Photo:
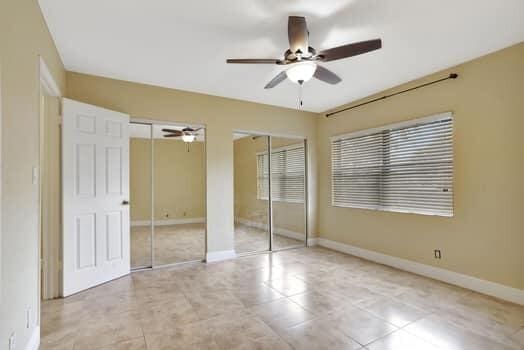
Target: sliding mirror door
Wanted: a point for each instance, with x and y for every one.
(179, 194)
(251, 182)
(288, 194)
(140, 196)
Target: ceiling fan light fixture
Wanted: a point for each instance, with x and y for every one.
(301, 72)
(188, 138)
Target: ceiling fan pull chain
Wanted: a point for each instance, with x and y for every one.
(300, 93)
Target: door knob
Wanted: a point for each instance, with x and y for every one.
(124, 202)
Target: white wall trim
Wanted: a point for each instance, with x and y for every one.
(220, 255)
(290, 234)
(251, 223)
(482, 286)
(34, 341)
(277, 230)
(168, 222)
(47, 80)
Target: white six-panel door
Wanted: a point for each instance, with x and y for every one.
(95, 181)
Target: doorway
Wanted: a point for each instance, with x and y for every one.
(270, 183)
(49, 175)
(167, 194)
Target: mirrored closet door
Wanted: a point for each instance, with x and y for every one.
(270, 192)
(288, 192)
(179, 194)
(167, 177)
(251, 184)
(140, 194)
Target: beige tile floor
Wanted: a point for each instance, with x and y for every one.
(250, 239)
(180, 243)
(307, 298)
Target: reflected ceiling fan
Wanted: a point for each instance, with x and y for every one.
(303, 59)
(187, 134)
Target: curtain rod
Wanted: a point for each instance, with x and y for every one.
(451, 76)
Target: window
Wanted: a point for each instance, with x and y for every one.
(406, 167)
(287, 168)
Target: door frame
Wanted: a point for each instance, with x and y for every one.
(152, 123)
(270, 135)
(47, 85)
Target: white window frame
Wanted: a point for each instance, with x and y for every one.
(399, 125)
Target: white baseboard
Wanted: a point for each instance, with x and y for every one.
(220, 255)
(169, 222)
(476, 284)
(278, 230)
(252, 223)
(290, 234)
(34, 341)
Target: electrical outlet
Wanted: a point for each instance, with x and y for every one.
(184, 214)
(12, 341)
(166, 215)
(438, 254)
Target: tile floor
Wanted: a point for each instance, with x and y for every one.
(307, 298)
(186, 242)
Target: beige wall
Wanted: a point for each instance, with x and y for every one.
(23, 37)
(485, 238)
(221, 117)
(179, 179)
(288, 216)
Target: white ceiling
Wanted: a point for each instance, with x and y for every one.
(184, 44)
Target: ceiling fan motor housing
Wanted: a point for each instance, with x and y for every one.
(300, 52)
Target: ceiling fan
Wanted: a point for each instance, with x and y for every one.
(188, 134)
(303, 58)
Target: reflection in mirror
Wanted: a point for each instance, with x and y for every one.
(288, 192)
(140, 194)
(251, 205)
(179, 194)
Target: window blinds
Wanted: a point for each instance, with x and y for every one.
(406, 167)
(262, 176)
(287, 174)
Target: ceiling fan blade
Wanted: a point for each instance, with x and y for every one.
(173, 131)
(253, 60)
(298, 34)
(350, 50)
(170, 130)
(173, 135)
(326, 75)
(276, 80)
